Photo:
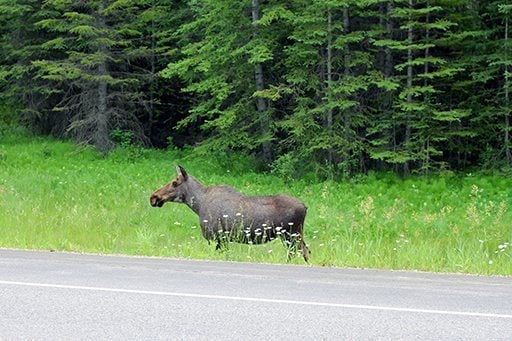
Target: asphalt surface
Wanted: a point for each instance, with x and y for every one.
(49, 296)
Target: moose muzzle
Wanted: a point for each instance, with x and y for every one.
(156, 201)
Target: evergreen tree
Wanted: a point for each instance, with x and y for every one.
(20, 43)
(93, 46)
(485, 55)
(498, 74)
(223, 60)
(420, 125)
(148, 28)
(325, 72)
(336, 87)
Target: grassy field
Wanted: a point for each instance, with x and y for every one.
(56, 196)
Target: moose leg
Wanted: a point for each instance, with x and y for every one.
(222, 241)
(290, 242)
(294, 242)
(305, 249)
(302, 244)
(296, 245)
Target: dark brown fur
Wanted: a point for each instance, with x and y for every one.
(225, 214)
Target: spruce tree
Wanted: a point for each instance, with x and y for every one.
(324, 77)
(224, 59)
(499, 62)
(420, 125)
(20, 44)
(89, 67)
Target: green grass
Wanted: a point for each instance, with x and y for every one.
(56, 196)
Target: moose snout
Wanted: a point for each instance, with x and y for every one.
(156, 201)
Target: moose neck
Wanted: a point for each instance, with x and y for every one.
(195, 194)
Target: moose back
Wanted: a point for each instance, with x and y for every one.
(227, 215)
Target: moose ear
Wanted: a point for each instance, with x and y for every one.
(181, 171)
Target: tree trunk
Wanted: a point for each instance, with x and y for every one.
(388, 56)
(508, 152)
(152, 84)
(261, 103)
(102, 134)
(329, 114)
(426, 145)
(388, 72)
(427, 50)
(407, 137)
(347, 119)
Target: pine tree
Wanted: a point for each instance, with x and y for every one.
(148, 28)
(486, 57)
(506, 62)
(89, 67)
(500, 64)
(19, 46)
(223, 59)
(420, 125)
(325, 72)
(335, 87)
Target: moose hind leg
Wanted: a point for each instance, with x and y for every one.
(294, 243)
(305, 249)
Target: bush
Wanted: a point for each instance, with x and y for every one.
(11, 128)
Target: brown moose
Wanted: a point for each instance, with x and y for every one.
(227, 215)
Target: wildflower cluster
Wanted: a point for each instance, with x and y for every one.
(400, 242)
(502, 248)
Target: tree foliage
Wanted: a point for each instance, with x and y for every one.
(333, 87)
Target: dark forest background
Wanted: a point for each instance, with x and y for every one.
(330, 86)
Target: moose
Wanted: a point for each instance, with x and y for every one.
(227, 215)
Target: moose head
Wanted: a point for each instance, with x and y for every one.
(174, 191)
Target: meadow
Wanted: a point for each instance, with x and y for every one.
(58, 196)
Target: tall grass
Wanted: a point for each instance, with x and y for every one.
(56, 196)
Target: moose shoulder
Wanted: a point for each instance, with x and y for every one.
(227, 215)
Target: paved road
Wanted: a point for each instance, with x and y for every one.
(52, 296)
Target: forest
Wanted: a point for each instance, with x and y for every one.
(333, 87)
